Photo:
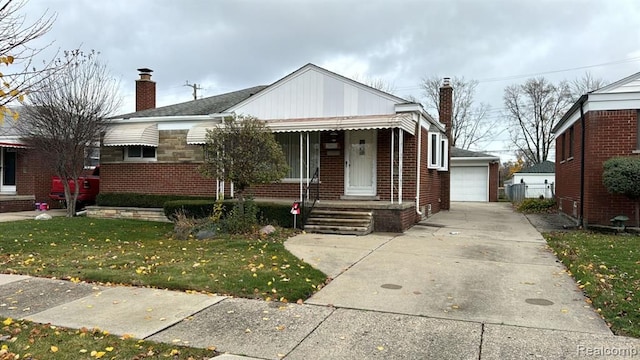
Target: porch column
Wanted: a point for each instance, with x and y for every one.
(307, 194)
(400, 156)
(392, 150)
(301, 154)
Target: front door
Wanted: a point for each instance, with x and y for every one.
(7, 170)
(360, 163)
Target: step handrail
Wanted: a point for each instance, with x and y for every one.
(314, 185)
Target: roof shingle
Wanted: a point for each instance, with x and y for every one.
(209, 105)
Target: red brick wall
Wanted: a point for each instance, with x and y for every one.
(568, 173)
(493, 181)
(608, 134)
(155, 178)
(33, 174)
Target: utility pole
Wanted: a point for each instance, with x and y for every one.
(195, 89)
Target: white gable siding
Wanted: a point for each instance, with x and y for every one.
(314, 94)
(630, 86)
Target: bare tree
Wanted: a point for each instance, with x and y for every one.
(533, 109)
(376, 83)
(584, 84)
(470, 124)
(68, 114)
(19, 74)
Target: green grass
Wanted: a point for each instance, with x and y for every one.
(38, 342)
(607, 268)
(142, 253)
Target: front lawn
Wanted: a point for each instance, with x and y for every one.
(607, 268)
(142, 253)
(27, 340)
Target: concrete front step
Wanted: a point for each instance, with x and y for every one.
(334, 229)
(335, 221)
(325, 220)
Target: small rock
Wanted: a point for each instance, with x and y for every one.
(205, 234)
(43, 217)
(269, 229)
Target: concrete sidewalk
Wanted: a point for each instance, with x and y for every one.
(30, 215)
(478, 283)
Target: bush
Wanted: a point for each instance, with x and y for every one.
(532, 206)
(276, 214)
(141, 200)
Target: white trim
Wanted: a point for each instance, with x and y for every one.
(392, 159)
(433, 137)
(602, 102)
(179, 118)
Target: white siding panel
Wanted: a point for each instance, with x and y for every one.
(313, 94)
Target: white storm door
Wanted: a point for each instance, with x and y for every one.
(360, 163)
(7, 170)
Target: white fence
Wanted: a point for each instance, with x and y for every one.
(518, 192)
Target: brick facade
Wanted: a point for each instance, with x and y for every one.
(176, 172)
(607, 134)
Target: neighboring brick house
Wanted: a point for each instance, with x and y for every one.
(602, 124)
(372, 149)
(25, 177)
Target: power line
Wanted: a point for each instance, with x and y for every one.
(512, 77)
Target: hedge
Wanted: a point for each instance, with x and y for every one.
(194, 206)
(141, 200)
(271, 213)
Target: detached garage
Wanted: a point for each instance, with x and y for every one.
(474, 176)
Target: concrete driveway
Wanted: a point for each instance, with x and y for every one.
(479, 262)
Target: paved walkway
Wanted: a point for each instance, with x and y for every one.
(473, 283)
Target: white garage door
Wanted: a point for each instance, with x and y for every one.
(469, 183)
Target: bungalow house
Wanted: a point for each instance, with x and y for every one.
(25, 177)
(372, 151)
(602, 124)
(539, 180)
(474, 176)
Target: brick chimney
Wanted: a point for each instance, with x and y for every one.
(446, 117)
(145, 90)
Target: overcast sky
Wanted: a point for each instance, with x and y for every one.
(226, 45)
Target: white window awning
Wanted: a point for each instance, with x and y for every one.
(132, 134)
(17, 144)
(401, 121)
(197, 135)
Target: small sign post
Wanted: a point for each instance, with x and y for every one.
(295, 210)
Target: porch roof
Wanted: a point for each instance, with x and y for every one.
(145, 134)
(197, 134)
(402, 121)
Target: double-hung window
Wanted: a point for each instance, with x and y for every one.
(438, 151)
